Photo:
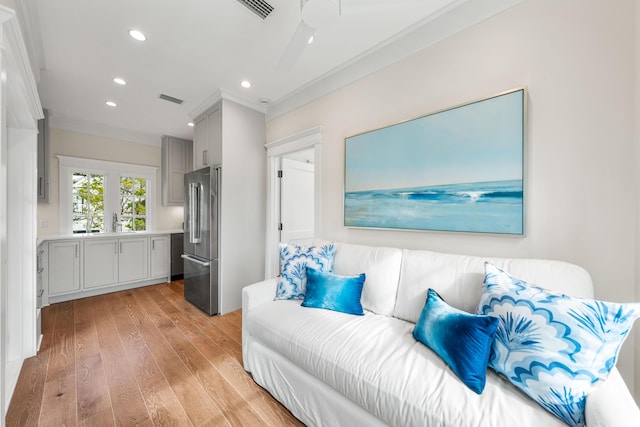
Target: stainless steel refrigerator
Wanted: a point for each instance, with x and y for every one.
(201, 234)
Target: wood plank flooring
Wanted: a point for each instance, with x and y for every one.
(143, 357)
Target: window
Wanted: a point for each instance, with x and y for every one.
(133, 203)
(93, 192)
(88, 203)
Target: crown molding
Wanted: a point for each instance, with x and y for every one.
(451, 20)
(28, 17)
(221, 94)
(22, 91)
(97, 129)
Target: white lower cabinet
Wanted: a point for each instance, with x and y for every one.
(160, 262)
(64, 267)
(93, 265)
(100, 262)
(133, 259)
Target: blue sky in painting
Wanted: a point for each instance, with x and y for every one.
(479, 142)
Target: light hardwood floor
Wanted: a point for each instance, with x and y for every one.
(140, 357)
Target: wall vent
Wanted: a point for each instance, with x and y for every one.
(259, 7)
(171, 99)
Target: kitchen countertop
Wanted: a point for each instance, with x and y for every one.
(80, 236)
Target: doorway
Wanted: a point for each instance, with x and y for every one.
(297, 197)
(293, 193)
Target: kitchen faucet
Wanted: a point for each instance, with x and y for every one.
(115, 224)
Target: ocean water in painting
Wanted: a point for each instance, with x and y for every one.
(488, 207)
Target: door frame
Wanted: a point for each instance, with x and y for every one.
(310, 138)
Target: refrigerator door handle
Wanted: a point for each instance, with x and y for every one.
(197, 261)
(195, 194)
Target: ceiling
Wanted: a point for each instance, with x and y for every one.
(194, 50)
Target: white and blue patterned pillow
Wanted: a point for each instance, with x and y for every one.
(552, 346)
(294, 260)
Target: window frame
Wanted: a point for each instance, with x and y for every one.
(112, 172)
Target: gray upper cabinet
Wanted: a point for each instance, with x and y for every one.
(177, 159)
(207, 138)
(43, 158)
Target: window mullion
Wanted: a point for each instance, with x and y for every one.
(112, 199)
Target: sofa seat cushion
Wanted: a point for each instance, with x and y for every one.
(375, 362)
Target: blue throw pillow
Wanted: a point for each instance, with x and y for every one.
(294, 260)
(461, 339)
(333, 292)
(552, 346)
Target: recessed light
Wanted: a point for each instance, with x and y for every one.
(245, 84)
(137, 35)
(190, 124)
(311, 39)
(111, 103)
(119, 81)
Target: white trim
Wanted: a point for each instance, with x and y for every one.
(221, 94)
(297, 142)
(23, 101)
(106, 131)
(27, 11)
(20, 108)
(112, 172)
(310, 138)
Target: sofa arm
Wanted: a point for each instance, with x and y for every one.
(253, 296)
(611, 405)
(258, 293)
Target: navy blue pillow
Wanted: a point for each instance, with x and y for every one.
(333, 292)
(461, 339)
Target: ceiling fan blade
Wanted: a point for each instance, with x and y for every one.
(296, 46)
(351, 7)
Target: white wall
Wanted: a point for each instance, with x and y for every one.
(637, 194)
(577, 58)
(96, 147)
(20, 109)
(21, 284)
(243, 202)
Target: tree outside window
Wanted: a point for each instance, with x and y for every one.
(88, 202)
(133, 203)
(93, 191)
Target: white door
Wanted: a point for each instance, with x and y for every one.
(297, 201)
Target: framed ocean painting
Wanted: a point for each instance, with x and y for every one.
(460, 169)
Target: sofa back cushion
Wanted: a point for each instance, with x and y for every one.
(458, 279)
(382, 269)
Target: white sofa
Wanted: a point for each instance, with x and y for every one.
(334, 369)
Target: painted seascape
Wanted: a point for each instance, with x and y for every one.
(456, 170)
(491, 207)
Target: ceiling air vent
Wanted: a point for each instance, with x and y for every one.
(171, 99)
(259, 7)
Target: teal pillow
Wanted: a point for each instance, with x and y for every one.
(333, 292)
(461, 339)
(552, 346)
